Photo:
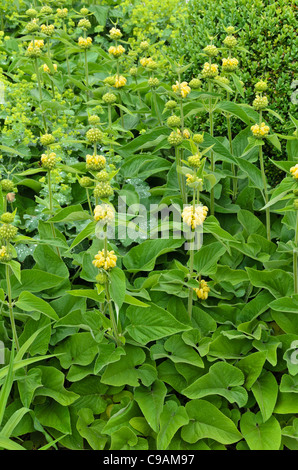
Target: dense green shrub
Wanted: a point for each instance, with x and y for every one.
(267, 29)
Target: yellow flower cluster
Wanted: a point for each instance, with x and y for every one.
(47, 69)
(181, 88)
(115, 33)
(186, 134)
(85, 43)
(230, 64)
(210, 70)
(120, 81)
(95, 162)
(190, 179)
(48, 160)
(104, 213)
(203, 290)
(260, 131)
(116, 51)
(4, 254)
(35, 47)
(107, 261)
(294, 171)
(194, 217)
(147, 62)
(47, 29)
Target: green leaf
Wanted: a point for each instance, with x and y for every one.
(124, 372)
(252, 366)
(30, 303)
(118, 286)
(151, 400)
(52, 386)
(71, 214)
(206, 421)
(53, 415)
(143, 257)
(265, 390)
(152, 323)
(171, 419)
(222, 379)
(80, 348)
(206, 258)
(260, 435)
(277, 281)
(8, 444)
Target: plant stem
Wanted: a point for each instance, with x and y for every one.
(233, 168)
(40, 92)
(295, 257)
(11, 316)
(89, 202)
(51, 208)
(212, 165)
(156, 107)
(264, 179)
(191, 262)
(179, 176)
(86, 74)
(111, 313)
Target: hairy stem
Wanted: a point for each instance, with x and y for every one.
(11, 316)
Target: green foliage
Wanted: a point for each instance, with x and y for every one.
(130, 339)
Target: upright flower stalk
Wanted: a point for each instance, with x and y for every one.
(7, 234)
(48, 162)
(105, 261)
(210, 71)
(260, 131)
(194, 215)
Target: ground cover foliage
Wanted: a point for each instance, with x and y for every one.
(116, 334)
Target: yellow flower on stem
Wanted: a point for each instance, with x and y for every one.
(181, 88)
(106, 261)
(203, 290)
(294, 171)
(194, 217)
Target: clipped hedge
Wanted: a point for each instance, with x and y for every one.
(267, 29)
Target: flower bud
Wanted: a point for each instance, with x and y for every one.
(103, 175)
(175, 138)
(260, 102)
(261, 86)
(230, 42)
(211, 50)
(195, 83)
(84, 24)
(198, 138)
(7, 217)
(86, 182)
(109, 98)
(31, 12)
(93, 120)
(194, 160)
(47, 139)
(8, 232)
(101, 278)
(153, 82)
(171, 104)
(94, 135)
(103, 190)
(174, 121)
(7, 186)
